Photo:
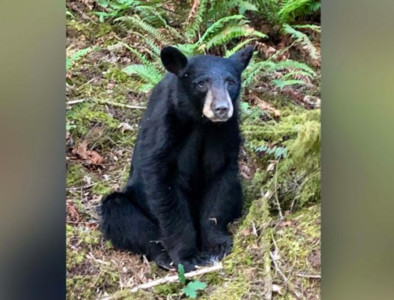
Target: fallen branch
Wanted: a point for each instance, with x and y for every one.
(174, 278)
(105, 102)
(276, 191)
(76, 101)
(309, 275)
(119, 104)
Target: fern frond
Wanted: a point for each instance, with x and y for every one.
(302, 39)
(294, 8)
(244, 6)
(269, 10)
(146, 72)
(296, 73)
(238, 47)
(151, 15)
(218, 25)
(309, 26)
(292, 64)
(136, 22)
(283, 83)
(256, 69)
(189, 49)
(231, 32)
(218, 9)
(140, 56)
(77, 56)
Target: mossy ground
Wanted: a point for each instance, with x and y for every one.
(271, 258)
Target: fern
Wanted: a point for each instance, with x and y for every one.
(280, 83)
(291, 9)
(148, 73)
(136, 22)
(315, 28)
(192, 28)
(295, 65)
(257, 70)
(215, 27)
(238, 47)
(77, 56)
(189, 49)
(152, 15)
(286, 11)
(231, 32)
(302, 39)
(218, 9)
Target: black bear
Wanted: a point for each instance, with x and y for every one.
(183, 188)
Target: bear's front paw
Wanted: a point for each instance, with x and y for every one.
(218, 246)
(192, 263)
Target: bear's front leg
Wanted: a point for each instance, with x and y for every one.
(169, 206)
(222, 204)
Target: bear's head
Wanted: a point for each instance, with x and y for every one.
(212, 84)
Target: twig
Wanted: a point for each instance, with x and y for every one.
(104, 102)
(120, 104)
(277, 268)
(309, 275)
(76, 101)
(174, 278)
(276, 191)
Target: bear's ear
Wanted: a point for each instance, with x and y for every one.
(242, 58)
(173, 60)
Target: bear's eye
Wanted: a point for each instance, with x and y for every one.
(201, 83)
(230, 82)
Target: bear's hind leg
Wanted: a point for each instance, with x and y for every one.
(129, 228)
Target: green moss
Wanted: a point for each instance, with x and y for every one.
(117, 74)
(75, 174)
(168, 289)
(101, 188)
(87, 286)
(299, 248)
(296, 178)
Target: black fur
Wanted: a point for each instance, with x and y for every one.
(183, 188)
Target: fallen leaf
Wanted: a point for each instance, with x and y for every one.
(72, 212)
(92, 157)
(315, 259)
(246, 231)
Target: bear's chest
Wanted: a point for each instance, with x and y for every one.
(201, 156)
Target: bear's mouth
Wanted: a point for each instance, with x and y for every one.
(218, 120)
(218, 108)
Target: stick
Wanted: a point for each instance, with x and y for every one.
(309, 275)
(106, 102)
(276, 191)
(76, 101)
(175, 278)
(120, 104)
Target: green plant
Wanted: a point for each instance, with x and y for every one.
(286, 11)
(279, 74)
(150, 11)
(302, 39)
(77, 56)
(191, 289)
(220, 33)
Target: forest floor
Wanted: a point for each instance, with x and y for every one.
(273, 257)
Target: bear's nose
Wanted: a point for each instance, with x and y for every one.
(221, 110)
